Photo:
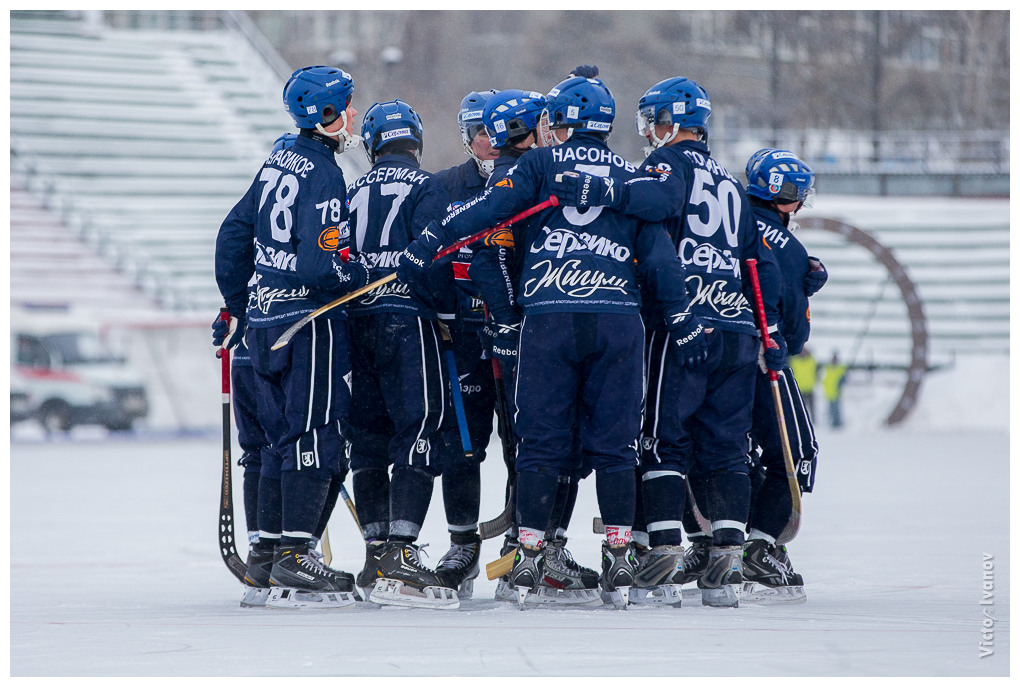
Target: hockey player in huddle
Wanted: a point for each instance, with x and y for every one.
(701, 361)
(778, 185)
(701, 375)
(398, 382)
(286, 238)
(579, 341)
(461, 480)
(512, 118)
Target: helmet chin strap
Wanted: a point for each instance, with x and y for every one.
(349, 140)
(659, 142)
(485, 167)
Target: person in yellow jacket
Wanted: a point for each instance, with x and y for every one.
(805, 371)
(833, 378)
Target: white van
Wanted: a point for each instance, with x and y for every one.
(69, 375)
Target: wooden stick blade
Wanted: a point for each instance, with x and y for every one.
(501, 566)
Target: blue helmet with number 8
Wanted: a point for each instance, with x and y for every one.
(385, 123)
(781, 177)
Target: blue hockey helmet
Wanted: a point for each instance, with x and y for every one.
(781, 177)
(385, 123)
(470, 116)
(318, 95)
(285, 141)
(677, 101)
(469, 119)
(511, 115)
(582, 104)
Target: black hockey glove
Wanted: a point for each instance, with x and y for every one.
(774, 357)
(588, 71)
(229, 332)
(816, 277)
(689, 334)
(806, 474)
(583, 190)
(417, 257)
(506, 340)
(352, 274)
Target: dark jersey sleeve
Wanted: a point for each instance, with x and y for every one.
(316, 230)
(491, 272)
(661, 271)
(235, 252)
(770, 277)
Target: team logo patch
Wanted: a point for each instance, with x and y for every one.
(503, 237)
(506, 181)
(422, 446)
(647, 443)
(329, 239)
(307, 458)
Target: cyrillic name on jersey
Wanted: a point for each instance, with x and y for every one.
(591, 155)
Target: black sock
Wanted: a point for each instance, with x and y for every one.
(303, 499)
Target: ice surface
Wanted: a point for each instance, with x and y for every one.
(115, 570)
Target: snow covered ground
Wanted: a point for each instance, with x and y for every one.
(115, 570)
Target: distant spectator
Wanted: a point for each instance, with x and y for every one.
(805, 371)
(833, 378)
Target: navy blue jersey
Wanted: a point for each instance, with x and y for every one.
(287, 236)
(389, 206)
(795, 316)
(713, 233)
(571, 260)
(462, 183)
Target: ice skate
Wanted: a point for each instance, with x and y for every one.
(299, 580)
(526, 574)
(404, 581)
(721, 582)
(256, 579)
(618, 567)
(658, 577)
(369, 575)
(696, 559)
(564, 581)
(768, 575)
(459, 566)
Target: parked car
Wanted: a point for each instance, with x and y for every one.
(70, 375)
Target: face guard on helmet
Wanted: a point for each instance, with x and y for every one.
(511, 115)
(471, 124)
(317, 96)
(781, 177)
(385, 123)
(676, 101)
(579, 104)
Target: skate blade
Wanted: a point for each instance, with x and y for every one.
(389, 592)
(466, 589)
(760, 595)
(619, 598)
(659, 595)
(254, 597)
(724, 596)
(549, 597)
(288, 598)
